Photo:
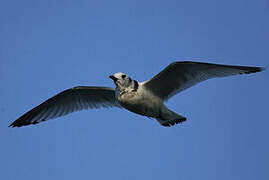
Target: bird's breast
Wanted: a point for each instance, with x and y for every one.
(141, 103)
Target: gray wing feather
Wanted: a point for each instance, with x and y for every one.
(179, 76)
(68, 101)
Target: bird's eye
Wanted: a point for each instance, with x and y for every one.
(123, 76)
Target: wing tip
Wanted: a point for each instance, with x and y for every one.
(14, 124)
(261, 69)
(17, 124)
(11, 125)
(254, 70)
(20, 123)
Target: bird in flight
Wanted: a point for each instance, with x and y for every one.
(144, 98)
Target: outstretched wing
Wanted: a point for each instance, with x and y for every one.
(179, 76)
(68, 101)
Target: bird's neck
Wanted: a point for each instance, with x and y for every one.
(131, 88)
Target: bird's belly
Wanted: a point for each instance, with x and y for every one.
(142, 105)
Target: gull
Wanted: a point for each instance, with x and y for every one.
(143, 98)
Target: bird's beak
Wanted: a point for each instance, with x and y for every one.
(113, 78)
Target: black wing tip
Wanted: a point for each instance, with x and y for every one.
(253, 70)
(11, 125)
(259, 69)
(15, 124)
(20, 123)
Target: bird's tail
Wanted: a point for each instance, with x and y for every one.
(169, 118)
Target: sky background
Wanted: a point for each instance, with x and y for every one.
(49, 46)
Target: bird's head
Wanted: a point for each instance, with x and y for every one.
(121, 80)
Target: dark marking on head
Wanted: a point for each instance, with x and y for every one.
(135, 85)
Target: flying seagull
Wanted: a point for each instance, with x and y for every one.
(144, 98)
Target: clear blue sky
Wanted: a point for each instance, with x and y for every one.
(49, 46)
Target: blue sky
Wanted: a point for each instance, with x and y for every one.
(49, 46)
